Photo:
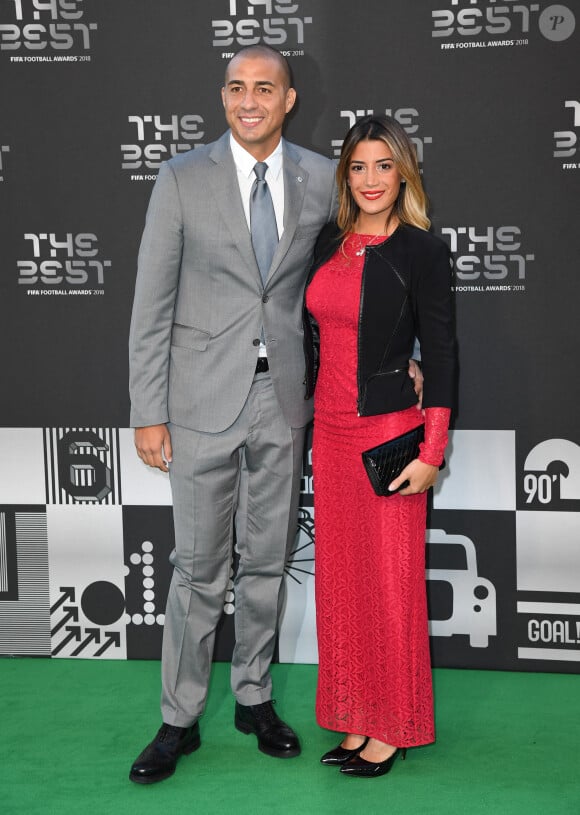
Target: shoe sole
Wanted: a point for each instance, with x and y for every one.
(269, 751)
(148, 779)
(364, 772)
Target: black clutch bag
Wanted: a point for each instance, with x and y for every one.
(385, 462)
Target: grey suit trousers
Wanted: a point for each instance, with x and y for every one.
(205, 476)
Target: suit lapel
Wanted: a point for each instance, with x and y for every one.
(226, 191)
(295, 182)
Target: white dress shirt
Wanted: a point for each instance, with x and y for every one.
(245, 164)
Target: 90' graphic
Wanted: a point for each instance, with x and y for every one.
(552, 475)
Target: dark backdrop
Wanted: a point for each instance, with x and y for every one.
(94, 95)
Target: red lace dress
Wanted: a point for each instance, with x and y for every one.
(371, 611)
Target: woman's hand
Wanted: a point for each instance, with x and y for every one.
(421, 476)
(416, 375)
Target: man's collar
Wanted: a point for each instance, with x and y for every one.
(245, 162)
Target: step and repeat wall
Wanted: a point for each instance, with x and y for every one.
(94, 96)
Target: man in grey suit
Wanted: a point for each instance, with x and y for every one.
(217, 372)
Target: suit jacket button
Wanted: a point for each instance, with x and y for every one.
(255, 342)
(265, 298)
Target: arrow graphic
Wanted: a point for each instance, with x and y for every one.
(68, 594)
(73, 614)
(93, 634)
(111, 637)
(74, 634)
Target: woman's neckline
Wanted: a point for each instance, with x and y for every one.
(374, 235)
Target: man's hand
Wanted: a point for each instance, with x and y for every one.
(153, 445)
(417, 376)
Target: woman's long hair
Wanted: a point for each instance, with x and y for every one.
(411, 204)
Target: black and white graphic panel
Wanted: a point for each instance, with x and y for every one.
(8, 558)
(82, 466)
(480, 471)
(149, 540)
(21, 466)
(471, 568)
(471, 609)
(87, 581)
(24, 597)
(548, 589)
(297, 633)
(551, 476)
(142, 485)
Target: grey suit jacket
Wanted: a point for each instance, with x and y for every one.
(199, 299)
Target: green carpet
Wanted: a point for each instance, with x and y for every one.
(69, 730)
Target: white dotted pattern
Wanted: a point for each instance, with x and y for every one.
(146, 560)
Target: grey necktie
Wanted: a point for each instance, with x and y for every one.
(262, 221)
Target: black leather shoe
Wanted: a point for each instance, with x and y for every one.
(340, 754)
(361, 768)
(274, 737)
(159, 759)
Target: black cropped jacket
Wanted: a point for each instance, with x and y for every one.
(406, 293)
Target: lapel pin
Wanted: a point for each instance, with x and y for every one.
(299, 179)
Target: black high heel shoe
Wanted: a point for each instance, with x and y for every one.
(361, 768)
(339, 755)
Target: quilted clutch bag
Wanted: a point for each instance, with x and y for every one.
(385, 462)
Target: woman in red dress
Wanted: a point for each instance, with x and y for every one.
(379, 280)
